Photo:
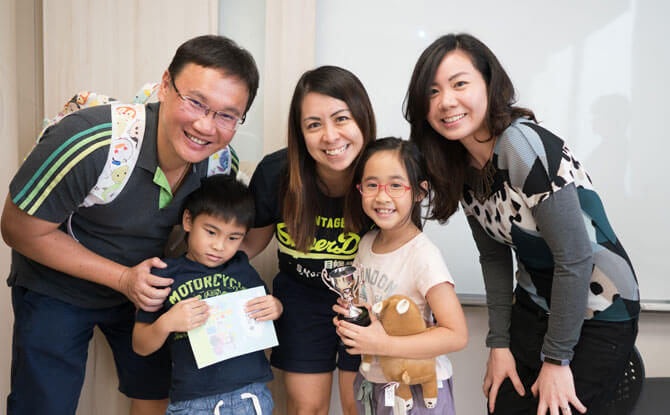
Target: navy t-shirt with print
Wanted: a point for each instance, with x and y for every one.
(332, 247)
(192, 279)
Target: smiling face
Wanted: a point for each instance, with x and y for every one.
(458, 99)
(332, 137)
(184, 138)
(211, 240)
(391, 214)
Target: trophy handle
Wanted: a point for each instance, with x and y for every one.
(357, 283)
(328, 281)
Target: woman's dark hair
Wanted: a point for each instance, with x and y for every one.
(355, 219)
(300, 181)
(224, 197)
(447, 160)
(218, 52)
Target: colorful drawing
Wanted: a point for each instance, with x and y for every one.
(229, 332)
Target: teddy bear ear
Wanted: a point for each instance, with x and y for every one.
(377, 307)
(402, 306)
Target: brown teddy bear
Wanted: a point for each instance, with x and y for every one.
(400, 316)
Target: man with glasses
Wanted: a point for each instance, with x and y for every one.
(76, 267)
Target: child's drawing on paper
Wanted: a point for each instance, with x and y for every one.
(229, 331)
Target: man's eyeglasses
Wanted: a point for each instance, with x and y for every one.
(392, 189)
(197, 109)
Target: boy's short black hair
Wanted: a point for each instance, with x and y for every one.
(224, 197)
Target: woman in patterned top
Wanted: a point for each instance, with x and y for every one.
(560, 340)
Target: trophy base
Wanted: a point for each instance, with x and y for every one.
(362, 319)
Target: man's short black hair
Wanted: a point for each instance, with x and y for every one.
(218, 52)
(224, 197)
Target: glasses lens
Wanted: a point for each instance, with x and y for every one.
(395, 189)
(368, 189)
(226, 121)
(195, 107)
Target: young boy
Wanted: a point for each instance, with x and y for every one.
(216, 217)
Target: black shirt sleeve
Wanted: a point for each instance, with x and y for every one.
(64, 166)
(150, 317)
(264, 185)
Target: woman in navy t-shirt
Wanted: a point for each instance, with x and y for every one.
(299, 195)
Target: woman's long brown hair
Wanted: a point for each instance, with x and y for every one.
(300, 186)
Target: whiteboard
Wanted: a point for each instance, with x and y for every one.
(595, 73)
